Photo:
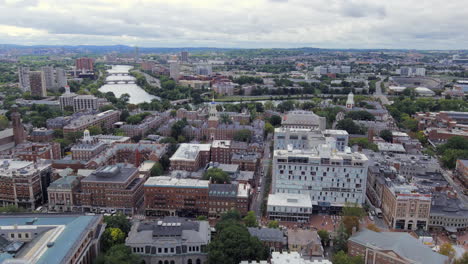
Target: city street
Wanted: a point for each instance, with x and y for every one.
(378, 92)
(265, 161)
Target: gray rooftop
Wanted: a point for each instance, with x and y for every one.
(268, 234)
(401, 243)
(113, 173)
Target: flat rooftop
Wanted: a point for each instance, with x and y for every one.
(189, 152)
(167, 181)
(65, 231)
(290, 200)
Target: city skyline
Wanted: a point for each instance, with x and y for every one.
(338, 24)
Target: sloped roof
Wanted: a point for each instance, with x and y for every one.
(401, 243)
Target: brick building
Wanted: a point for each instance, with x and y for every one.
(23, 183)
(167, 196)
(115, 187)
(171, 196)
(64, 194)
(224, 197)
(392, 248)
(104, 120)
(190, 157)
(405, 206)
(41, 135)
(33, 151)
(461, 171)
(84, 64)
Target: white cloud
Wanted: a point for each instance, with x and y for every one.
(429, 24)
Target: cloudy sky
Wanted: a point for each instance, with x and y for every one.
(427, 24)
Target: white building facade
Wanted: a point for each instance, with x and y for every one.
(330, 177)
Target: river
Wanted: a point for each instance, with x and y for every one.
(137, 94)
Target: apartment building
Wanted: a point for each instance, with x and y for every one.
(24, 183)
(105, 120)
(331, 178)
(85, 103)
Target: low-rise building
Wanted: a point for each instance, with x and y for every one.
(392, 248)
(288, 207)
(273, 238)
(293, 257)
(306, 242)
(50, 238)
(448, 213)
(171, 240)
(64, 194)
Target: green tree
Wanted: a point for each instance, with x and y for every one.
(324, 236)
(447, 250)
(11, 209)
(250, 220)
(268, 129)
(273, 224)
(463, 259)
(112, 236)
(352, 213)
(243, 135)
(4, 123)
(95, 130)
(217, 175)
(225, 119)
(455, 148)
(119, 254)
(349, 125)
(360, 115)
(233, 243)
(177, 128)
(386, 135)
(119, 221)
(285, 106)
(342, 258)
(269, 105)
(363, 143)
(275, 120)
(202, 218)
(340, 241)
(157, 169)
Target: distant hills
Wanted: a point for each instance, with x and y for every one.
(131, 49)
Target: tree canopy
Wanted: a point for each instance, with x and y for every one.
(217, 175)
(233, 242)
(243, 135)
(349, 125)
(119, 254)
(250, 220)
(360, 115)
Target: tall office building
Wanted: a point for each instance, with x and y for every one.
(36, 84)
(184, 56)
(23, 76)
(60, 77)
(204, 69)
(174, 70)
(84, 64)
(48, 79)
